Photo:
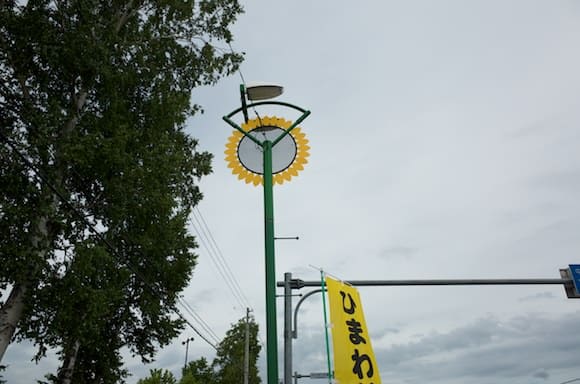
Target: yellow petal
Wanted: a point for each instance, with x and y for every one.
(257, 180)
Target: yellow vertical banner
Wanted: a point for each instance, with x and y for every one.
(354, 360)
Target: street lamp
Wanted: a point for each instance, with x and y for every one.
(186, 343)
(265, 151)
(263, 91)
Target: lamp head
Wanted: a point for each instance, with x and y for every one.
(263, 91)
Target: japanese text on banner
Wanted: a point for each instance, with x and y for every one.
(354, 360)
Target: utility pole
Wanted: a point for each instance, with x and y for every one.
(247, 348)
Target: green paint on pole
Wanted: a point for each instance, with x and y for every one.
(326, 325)
(271, 334)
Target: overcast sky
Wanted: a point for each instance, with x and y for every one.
(445, 142)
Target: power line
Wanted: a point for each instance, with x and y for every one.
(194, 329)
(223, 260)
(219, 262)
(189, 309)
(204, 244)
(239, 67)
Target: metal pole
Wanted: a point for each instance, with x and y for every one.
(297, 283)
(287, 328)
(186, 350)
(290, 284)
(186, 343)
(271, 341)
(295, 327)
(323, 288)
(247, 348)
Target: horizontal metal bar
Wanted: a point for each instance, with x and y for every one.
(294, 125)
(239, 129)
(279, 103)
(297, 283)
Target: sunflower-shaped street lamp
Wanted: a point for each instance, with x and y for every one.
(267, 150)
(244, 156)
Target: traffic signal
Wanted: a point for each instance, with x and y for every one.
(573, 287)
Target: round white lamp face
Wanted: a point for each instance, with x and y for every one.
(246, 158)
(251, 155)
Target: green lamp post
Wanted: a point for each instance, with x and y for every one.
(267, 150)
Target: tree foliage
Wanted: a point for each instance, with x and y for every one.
(198, 371)
(228, 364)
(94, 97)
(229, 361)
(158, 376)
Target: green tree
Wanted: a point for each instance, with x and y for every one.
(198, 371)
(228, 365)
(94, 98)
(189, 379)
(229, 361)
(158, 376)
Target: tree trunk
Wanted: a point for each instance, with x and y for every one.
(10, 314)
(12, 310)
(65, 373)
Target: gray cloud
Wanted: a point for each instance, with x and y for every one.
(488, 350)
(310, 351)
(398, 252)
(541, 374)
(20, 365)
(539, 296)
(561, 180)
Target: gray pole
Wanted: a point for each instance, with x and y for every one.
(247, 348)
(186, 343)
(287, 328)
(297, 283)
(186, 349)
(289, 284)
(295, 323)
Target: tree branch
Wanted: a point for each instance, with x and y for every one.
(127, 13)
